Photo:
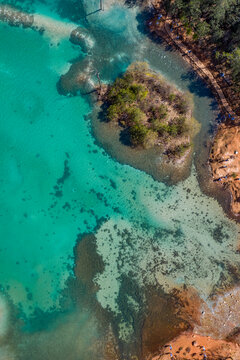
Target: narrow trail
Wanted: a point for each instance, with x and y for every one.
(200, 68)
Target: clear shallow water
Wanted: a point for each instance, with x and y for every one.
(57, 183)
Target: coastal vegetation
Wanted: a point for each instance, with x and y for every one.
(149, 111)
(215, 23)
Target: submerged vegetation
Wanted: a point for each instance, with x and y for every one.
(149, 110)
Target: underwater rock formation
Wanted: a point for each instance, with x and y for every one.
(77, 80)
(81, 37)
(15, 17)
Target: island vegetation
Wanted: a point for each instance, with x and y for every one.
(149, 111)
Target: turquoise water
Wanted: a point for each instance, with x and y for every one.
(57, 183)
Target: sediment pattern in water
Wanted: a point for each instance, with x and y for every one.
(58, 184)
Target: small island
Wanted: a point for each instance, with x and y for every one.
(151, 116)
(150, 111)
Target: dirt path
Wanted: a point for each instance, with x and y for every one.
(163, 28)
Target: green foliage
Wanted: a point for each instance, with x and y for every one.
(125, 96)
(172, 97)
(159, 112)
(134, 115)
(181, 104)
(113, 112)
(176, 128)
(218, 19)
(202, 29)
(125, 92)
(138, 134)
(181, 125)
(233, 59)
(160, 127)
(235, 64)
(139, 91)
(150, 139)
(173, 130)
(188, 30)
(130, 105)
(179, 150)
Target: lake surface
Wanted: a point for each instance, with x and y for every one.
(57, 184)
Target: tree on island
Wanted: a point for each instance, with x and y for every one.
(152, 112)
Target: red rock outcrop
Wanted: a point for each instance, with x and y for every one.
(196, 347)
(225, 162)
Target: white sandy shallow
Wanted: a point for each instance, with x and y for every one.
(55, 29)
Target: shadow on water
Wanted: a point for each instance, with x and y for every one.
(125, 137)
(124, 134)
(71, 9)
(75, 10)
(196, 84)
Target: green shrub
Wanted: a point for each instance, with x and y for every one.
(188, 30)
(161, 128)
(181, 104)
(125, 96)
(150, 139)
(113, 112)
(173, 130)
(172, 97)
(181, 125)
(202, 29)
(139, 91)
(134, 115)
(159, 112)
(138, 134)
(179, 150)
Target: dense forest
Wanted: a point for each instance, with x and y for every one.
(216, 22)
(210, 22)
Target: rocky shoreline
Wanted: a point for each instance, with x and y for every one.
(223, 175)
(15, 17)
(225, 162)
(193, 346)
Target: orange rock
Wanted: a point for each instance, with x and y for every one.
(225, 162)
(192, 346)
